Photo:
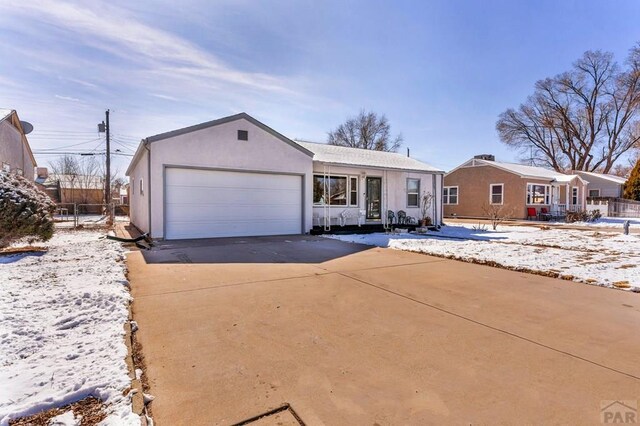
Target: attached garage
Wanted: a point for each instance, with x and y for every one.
(205, 203)
(231, 177)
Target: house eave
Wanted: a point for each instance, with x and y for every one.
(364, 166)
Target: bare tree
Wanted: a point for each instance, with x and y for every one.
(425, 206)
(583, 119)
(367, 130)
(83, 176)
(497, 213)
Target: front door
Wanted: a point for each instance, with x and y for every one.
(374, 198)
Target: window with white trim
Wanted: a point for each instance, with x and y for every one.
(341, 190)
(413, 192)
(496, 193)
(450, 195)
(538, 194)
(575, 192)
(594, 192)
(353, 191)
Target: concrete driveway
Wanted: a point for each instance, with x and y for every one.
(375, 336)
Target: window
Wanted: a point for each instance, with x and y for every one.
(496, 193)
(538, 194)
(141, 187)
(413, 192)
(243, 135)
(341, 190)
(574, 195)
(594, 192)
(6, 167)
(450, 195)
(353, 191)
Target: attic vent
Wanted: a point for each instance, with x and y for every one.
(243, 135)
(487, 157)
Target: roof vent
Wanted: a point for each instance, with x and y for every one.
(487, 157)
(243, 135)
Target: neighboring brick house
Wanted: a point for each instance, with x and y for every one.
(15, 153)
(482, 183)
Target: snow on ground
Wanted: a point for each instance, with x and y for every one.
(606, 222)
(61, 327)
(594, 257)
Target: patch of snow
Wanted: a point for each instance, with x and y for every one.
(61, 328)
(65, 419)
(607, 222)
(594, 257)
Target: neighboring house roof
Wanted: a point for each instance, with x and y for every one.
(6, 113)
(346, 156)
(612, 178)
(75, 181)
(521, 170)
(201, 126)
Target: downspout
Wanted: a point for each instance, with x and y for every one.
(434, 189)
(148, 148)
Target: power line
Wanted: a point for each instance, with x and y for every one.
(71, 146)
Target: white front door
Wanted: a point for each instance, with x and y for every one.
(203, 203)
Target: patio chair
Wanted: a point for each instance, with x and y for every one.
(391, 216)
(544, 214)
(531, 213)
(402, 217)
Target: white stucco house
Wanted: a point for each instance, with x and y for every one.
(235, 176)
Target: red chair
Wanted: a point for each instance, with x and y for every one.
(531, 213)
(544, 214)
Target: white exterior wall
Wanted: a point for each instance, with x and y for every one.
(218, 147)
(606, 187)
(394, 193)
(139, 203)
(13, 151)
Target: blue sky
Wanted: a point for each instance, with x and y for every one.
(441, 71)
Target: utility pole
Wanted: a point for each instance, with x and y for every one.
(104, 127)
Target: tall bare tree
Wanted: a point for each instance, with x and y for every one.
(583, 119)
(367, 130)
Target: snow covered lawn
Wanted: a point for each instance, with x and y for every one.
(606, 222)
(61, 327)
(594, 257)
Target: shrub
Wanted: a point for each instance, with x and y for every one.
(583, 216)
(25, 211)
(577, 217)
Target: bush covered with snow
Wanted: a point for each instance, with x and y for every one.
(25, 211)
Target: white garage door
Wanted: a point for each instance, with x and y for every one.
(211, 203)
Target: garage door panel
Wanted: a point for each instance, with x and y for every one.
(212, 195)
(201, 213)
(209, 203)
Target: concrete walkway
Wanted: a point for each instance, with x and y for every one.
(380, 337)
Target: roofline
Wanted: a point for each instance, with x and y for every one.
(331, 163)
(497, 166)
(136, 156)
(602, 176)
(223, 120)
(243, 115)
(25, 141)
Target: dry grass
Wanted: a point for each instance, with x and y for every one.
(91, 409)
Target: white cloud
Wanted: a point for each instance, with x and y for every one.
(67, 98)
(114, 31)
